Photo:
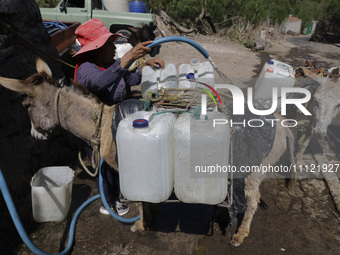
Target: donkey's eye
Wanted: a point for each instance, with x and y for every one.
(27, 102)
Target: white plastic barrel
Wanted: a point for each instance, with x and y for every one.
(154, 79)
(273, 74)
(145, 156)
(199, 148)
(117, 5)
(51, 189)
(203, 72)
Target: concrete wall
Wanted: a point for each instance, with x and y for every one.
(294, 26)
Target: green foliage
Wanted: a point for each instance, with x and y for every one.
(309, 10)
(183, 10)
(254, 11)
(156, 5)
(47, 3)
(333, 9)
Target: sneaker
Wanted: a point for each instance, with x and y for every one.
(119, 208)
(102, 210)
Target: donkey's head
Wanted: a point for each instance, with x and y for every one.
(41, 91)
(135, 35)
(327, 96)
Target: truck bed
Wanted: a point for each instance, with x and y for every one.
(63, 38)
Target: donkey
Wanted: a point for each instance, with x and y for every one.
(281, 151)
(50, 105)
(327, 95)
(324, 107)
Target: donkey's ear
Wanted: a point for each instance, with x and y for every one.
(42, 67)
(16, 85)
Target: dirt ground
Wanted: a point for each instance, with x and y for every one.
(298, 221)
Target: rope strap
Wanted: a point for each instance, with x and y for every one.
(95, 142)
(56, 100)
(139, 62)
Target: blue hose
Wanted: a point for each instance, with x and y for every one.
(106, 205)
(180, 39)
(10, 205)
(164, 40)
(15, 217)
(104, 6)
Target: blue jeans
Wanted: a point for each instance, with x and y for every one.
(110, 180)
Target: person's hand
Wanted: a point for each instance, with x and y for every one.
(136, 52)
(155, 62)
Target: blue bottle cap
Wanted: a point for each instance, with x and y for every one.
(190, 76)
(140, 123)
(270, 61)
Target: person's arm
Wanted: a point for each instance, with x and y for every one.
(133, 79)
(94, 79)
(135, 53)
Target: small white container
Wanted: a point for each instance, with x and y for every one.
(199, 146)
(122, 49)
(273, 74)
(155, 79)
(203, 72)
(145, 156)
(330, 70)
(51, 193)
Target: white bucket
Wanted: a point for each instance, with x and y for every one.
(51, 193)
(155, 79)
(145, 156)
(274, 74)
(200, 146)
(117, 5)
(203, 72)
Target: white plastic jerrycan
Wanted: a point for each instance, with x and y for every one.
(202, 72)
(274, 74)
(145, 156)
(201, 159)
(154, 79)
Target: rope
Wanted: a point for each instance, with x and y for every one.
(184, 99)
(95, 141)
(35, 47)
(56, 100)
(140, 62)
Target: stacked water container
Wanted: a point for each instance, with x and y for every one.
(274, 74)
(155, 78)
(145, 156)
(158, 154)
(200, 146)
(202, 72)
